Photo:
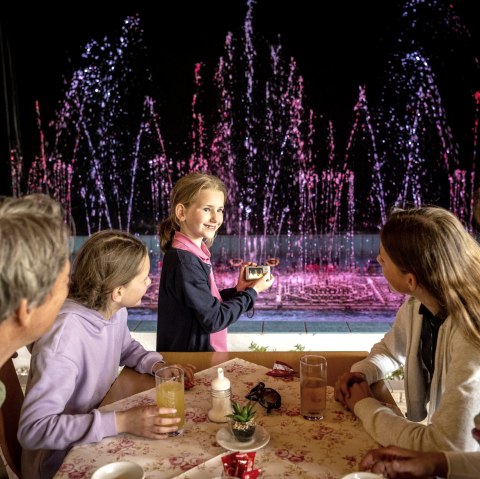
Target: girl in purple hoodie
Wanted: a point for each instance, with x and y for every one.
(75, 363)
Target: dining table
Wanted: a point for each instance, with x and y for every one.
(285, 444)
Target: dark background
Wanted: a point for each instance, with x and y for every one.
(338, 45)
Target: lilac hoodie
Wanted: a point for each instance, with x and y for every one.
(71, 370)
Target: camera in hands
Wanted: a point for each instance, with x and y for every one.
(256, 272)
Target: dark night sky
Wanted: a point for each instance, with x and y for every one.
(338, 48)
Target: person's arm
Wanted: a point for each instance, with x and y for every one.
(398, 463)
(45, 421)
(192, 285)
(457, 400)
(390, 352)
(385, 356)
(134, 355)
(463, 465)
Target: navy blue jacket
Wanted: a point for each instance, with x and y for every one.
(187, 311)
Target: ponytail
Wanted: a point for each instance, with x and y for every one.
(166, 232)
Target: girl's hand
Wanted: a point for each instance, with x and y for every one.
(145, 421)
(263, 283)
(243, 284)
(259, 285)
(188, 370)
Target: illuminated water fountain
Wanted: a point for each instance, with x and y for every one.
(295, 196)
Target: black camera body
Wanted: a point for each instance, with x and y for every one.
(256, 272)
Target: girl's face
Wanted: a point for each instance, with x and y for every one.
(134, 291)
(203, 217)
(397, 280)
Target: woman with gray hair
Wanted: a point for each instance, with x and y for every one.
(34, 270)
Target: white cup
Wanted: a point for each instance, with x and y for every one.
(119, 470)
(313, 387)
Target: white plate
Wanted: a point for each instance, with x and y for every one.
(362, 475)
(227, 440)
(206, 470)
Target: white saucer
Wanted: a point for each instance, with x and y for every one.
(227, 440)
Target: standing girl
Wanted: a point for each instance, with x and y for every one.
(75, 363)
(190, 306)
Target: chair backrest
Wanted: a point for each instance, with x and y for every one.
(9, 417)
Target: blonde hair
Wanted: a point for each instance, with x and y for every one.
(106, 260)
(432, 244)
(185, 192)
(33, 250)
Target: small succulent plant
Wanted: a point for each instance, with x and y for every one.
(242, 413)
(242, 421)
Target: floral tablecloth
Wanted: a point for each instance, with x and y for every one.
(298, 448)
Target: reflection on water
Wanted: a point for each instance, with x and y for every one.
(314, 292)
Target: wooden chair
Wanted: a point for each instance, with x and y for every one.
(9, 417)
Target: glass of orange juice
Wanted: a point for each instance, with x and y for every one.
(170, 393)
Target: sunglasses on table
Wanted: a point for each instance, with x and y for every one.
(266, 397)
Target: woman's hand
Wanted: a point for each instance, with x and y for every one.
(358, 391)
(342, 386)
(398, 463)
(145, 421)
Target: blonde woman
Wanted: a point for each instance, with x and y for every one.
(400, 463)
(427, 254)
